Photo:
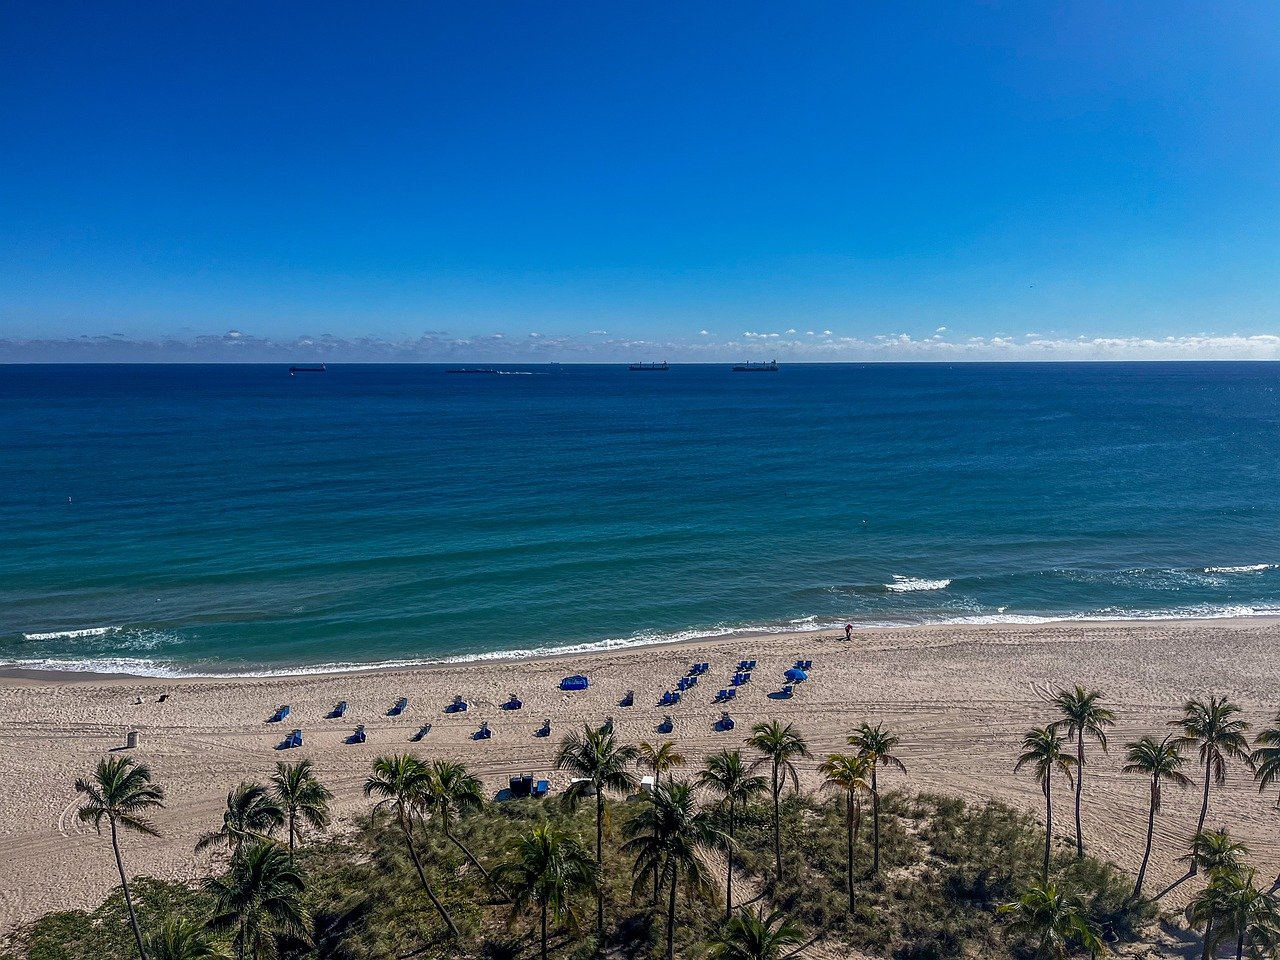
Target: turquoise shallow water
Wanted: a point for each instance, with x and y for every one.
(235, 519)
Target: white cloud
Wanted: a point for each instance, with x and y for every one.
(826, 333)
(704, 333)
(792, 330)
(599, 333)
(808, 333)
(941, 330)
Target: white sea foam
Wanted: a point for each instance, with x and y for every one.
(71, 634)
(1250, 568)
(912, 584)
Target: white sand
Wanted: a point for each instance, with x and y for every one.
(961, 697)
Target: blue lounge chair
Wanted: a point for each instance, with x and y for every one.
(513, 703)
(358, 736)
(422, 732)
(731, 693)
(666, 700)
(458, 706)
(744, 665)
(399, 707)
(629, 700)
(484, 733)
(279, 714)
(540, 788)
(721, 696)
(339, 711)
(575, 682)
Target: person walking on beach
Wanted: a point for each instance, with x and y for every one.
(848, 631)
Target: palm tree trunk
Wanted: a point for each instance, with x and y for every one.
(292, 831)
(599, 858)
(1177, 883)
(1240, 944)
(1048, 827)
(848, 852)
(128, 898)
(1146, 853)
(1079, 792)
(671, 915)
(875, 823)
(1204, 804)
(474, 862)
(544, 930)
(1207, 953)
(728, 882)
(777, 824)
(422, 875)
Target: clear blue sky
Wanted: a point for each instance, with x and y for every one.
(652, 171)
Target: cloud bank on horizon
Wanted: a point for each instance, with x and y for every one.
(598, 346)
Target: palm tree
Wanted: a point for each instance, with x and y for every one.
(301, 796)
(400, 781)
(252, 814)
(726, 776)
(751, 935)
(120, 792)
(600, 763)
(1265, 758)
(548, 867)
(851, 775)
(181, 939)
(1055, 920)
(1240, 910)
(661, 759)
(1042, 749)
(1212, 851)
(1159, 761)
(452, 790)
(781, 745)
(672, 837)
(259, 898)
(876, 744)
(1212, 725)
(1082, 716)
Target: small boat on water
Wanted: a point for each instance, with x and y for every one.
(472, 370)
(649, 366)
(297, 370)
(752, 366)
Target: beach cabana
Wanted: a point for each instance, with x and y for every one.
(458, 706)
(725, 722)
(280, 714)
(399, 707)
(484, 733)
(575, 682)
(358, 736)
(422, 732)
(513, 703)
(544, 730)
(628, 700)
(667, 725)
(339, 711)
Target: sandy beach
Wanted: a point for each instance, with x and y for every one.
(960, 697)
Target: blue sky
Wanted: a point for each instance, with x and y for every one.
(837, 180)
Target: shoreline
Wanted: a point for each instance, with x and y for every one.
(49, 674)
(959, 696)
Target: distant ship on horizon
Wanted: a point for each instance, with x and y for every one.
(474, 370)
(649, 366)
(312, 369)
(753, 366)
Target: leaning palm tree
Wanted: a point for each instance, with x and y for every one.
(1055, 921)
(1159, 761)
(120, 792)
(301, 796)
(1265, 758)
(1082, 716)
(451, 790)
(400, 781)
(1212, 725)
(252, 814)
(876, 744)
(781, 745)
(1042, 750)
(548, 868)
(672, 838)
(600, 763)
(753, 935)
(182, 939)
(851, 775)
(260, 898)
(660, 759)
(727, 776)
(1212, 852)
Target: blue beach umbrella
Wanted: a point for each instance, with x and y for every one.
(795, 675)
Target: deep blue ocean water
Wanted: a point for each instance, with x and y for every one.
(213, 519)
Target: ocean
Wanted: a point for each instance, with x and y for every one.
(233, 519)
